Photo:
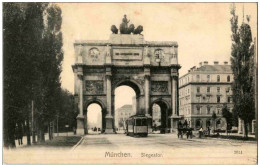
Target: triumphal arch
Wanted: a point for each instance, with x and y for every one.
(149, 67)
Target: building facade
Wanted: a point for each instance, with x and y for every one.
(205, 90)
(156, 115)
(123, 113)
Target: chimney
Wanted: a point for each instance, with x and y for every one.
(215, 62)
(200, 63)
(205, 62)
(225, 63)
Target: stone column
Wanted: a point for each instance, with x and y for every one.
(80, 117)
(109, 117)
(147, 96)
(174, 95)
(174, 92)
(147, 93)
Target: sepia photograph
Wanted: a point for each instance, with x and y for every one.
(130, 83)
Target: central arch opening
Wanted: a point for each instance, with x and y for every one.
(126, 96)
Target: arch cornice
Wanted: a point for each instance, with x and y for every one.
(97, 101)
(161, 100)
(128, 81)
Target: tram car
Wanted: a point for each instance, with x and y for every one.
(137, 125)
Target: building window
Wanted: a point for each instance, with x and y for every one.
(208, 89)
(198, 99)
(218, 99)
(208, 98)
(208, 110)
(198, 110)
(198, 89)
(228, 89)
(229, 99)
(188, 91)
(208, 77)
(218, 89)
(218, 78)
(198, 77)
(228, 78)
(198, 124)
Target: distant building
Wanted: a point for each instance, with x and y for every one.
(204, 90)
(124, 113)
(156, 115)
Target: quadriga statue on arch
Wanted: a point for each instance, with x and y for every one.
(125, 29)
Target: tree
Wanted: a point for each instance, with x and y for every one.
(15, 96)
(214, 117)
(241, 62)
(228, 116)
(32, 66)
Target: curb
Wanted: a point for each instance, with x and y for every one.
(76, 145)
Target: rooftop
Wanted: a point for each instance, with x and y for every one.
(125, 107)
(214, 68)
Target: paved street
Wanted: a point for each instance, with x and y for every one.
(168, 148)
(154, 149)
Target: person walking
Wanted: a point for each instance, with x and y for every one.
(200, 132)
(20, 134)
(208, 131)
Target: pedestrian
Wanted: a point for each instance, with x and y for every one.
(208, 131)
(20, 134)
(74, 130)
(180, 132)
(185, 124)
(200, 132)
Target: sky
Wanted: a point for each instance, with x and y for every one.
(202, 30)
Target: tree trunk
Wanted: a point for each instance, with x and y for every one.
(9, 128)
(50, 131)
(214, 126)
(28, 133)
(245, 129)
(10, 136)
(40, 133)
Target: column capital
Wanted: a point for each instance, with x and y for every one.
(147, 76)
(80, 76)
(109, 116)
(174, 76)
(80, 116)
(175, 66)
(108, 76)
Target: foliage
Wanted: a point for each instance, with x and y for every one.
(32, 65)
(242, 64)
(67, 112)
(214, 117)
(228, 116)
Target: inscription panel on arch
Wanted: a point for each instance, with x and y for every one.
(127, 54)
(159, 86)
(94, 86)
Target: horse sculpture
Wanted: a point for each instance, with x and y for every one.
(124, 29)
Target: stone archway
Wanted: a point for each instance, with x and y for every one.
(150, 68)
(103, 114)
(165, 113)
(138, 91)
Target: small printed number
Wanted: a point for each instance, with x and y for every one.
(237, 152)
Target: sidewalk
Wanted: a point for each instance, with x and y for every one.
(46, 138)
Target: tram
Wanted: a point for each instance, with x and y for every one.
(137, 125)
